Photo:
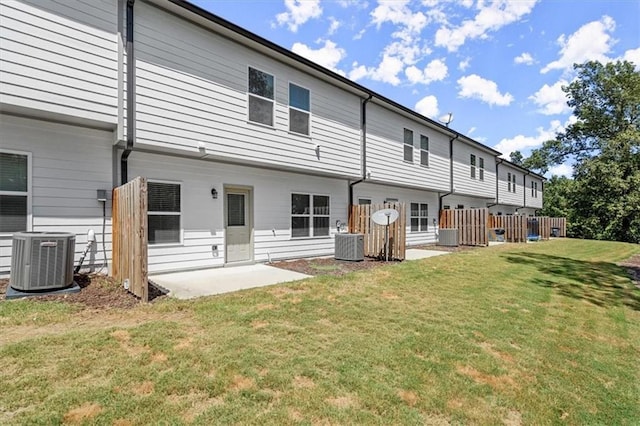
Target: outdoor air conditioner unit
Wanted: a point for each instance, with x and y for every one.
(448, 237)
(349, 247)
(42, 260)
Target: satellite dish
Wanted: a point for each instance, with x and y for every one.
(385, 216)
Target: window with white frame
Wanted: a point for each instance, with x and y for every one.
(408, 145)
(513, 186)
(164, 212)
(364, 201)
(14, 191)
(481, 167)
(532, 188)
(424, 150)
(309, 215)
(472, 163)
(261, 97)
(535, 190)
(508, 182)
(299, 109)
(419, 217)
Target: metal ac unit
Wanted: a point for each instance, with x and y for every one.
(42, 260)
(349, 247)
(448, 237)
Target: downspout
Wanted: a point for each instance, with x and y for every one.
(457, 135)
(131, 98)
(363, 128)
(497, 183)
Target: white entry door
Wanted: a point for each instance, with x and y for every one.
(239, 228)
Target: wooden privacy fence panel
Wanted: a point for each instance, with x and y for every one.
(129, 236)
(470, 223)
(515, 227)
(560, 223)
(374, 235)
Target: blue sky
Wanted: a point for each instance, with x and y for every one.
(498, 66)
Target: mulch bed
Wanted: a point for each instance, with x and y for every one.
(96, 292)
(102, 292)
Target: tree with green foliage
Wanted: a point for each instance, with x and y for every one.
(516, 157)
(603, 201)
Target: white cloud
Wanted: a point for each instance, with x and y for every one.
(463, 65)
(551, 99)
(387, 71)
(328, 55)
(475, 87)
(334, 24)
(525, 143)
(633, 55)
(299, 12)
(353, 3)
(471, 130)
(492, 17)
(591, 42)
(436, 70)
(359, 34)
(397, 12)
(564, 169)
(524, 58)
(428, 106)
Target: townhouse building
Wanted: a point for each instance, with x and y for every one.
(252, 153)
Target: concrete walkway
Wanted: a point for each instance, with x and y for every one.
(206, 282)
(417, 254)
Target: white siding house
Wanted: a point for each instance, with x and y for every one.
(519, 191)
(252, 153)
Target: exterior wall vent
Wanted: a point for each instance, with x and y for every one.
(448, 237)
(349, 247)
(42, 260)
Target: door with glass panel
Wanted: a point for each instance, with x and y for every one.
(238, 225)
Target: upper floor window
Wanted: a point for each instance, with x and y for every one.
(309, 215)
(299, 109)
(424, 151)
(261, 97)
(14, 191)
(419, 217)
(481, 168)
(164, 212)
(508, 182)
(534, 189)
(472, 163)
(513, 187)
(408, 145)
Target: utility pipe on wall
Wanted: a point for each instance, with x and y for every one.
(363, 128)
(457, 135)
(131, 96)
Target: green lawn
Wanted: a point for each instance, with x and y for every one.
(539, 333)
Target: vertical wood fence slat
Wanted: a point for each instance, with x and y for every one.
(129, 236)
(374, 235)
(470, 223)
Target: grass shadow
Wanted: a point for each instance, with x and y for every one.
(595, 282)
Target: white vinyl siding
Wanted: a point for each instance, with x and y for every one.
(408, 145)
(67, 165)
(385, 152)
(203, 218)
(164, 212)
(299, 109)
(463, 180)
(260, 91)
(509, 177)
(192, 96)
(15, 193)
(60, 57)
